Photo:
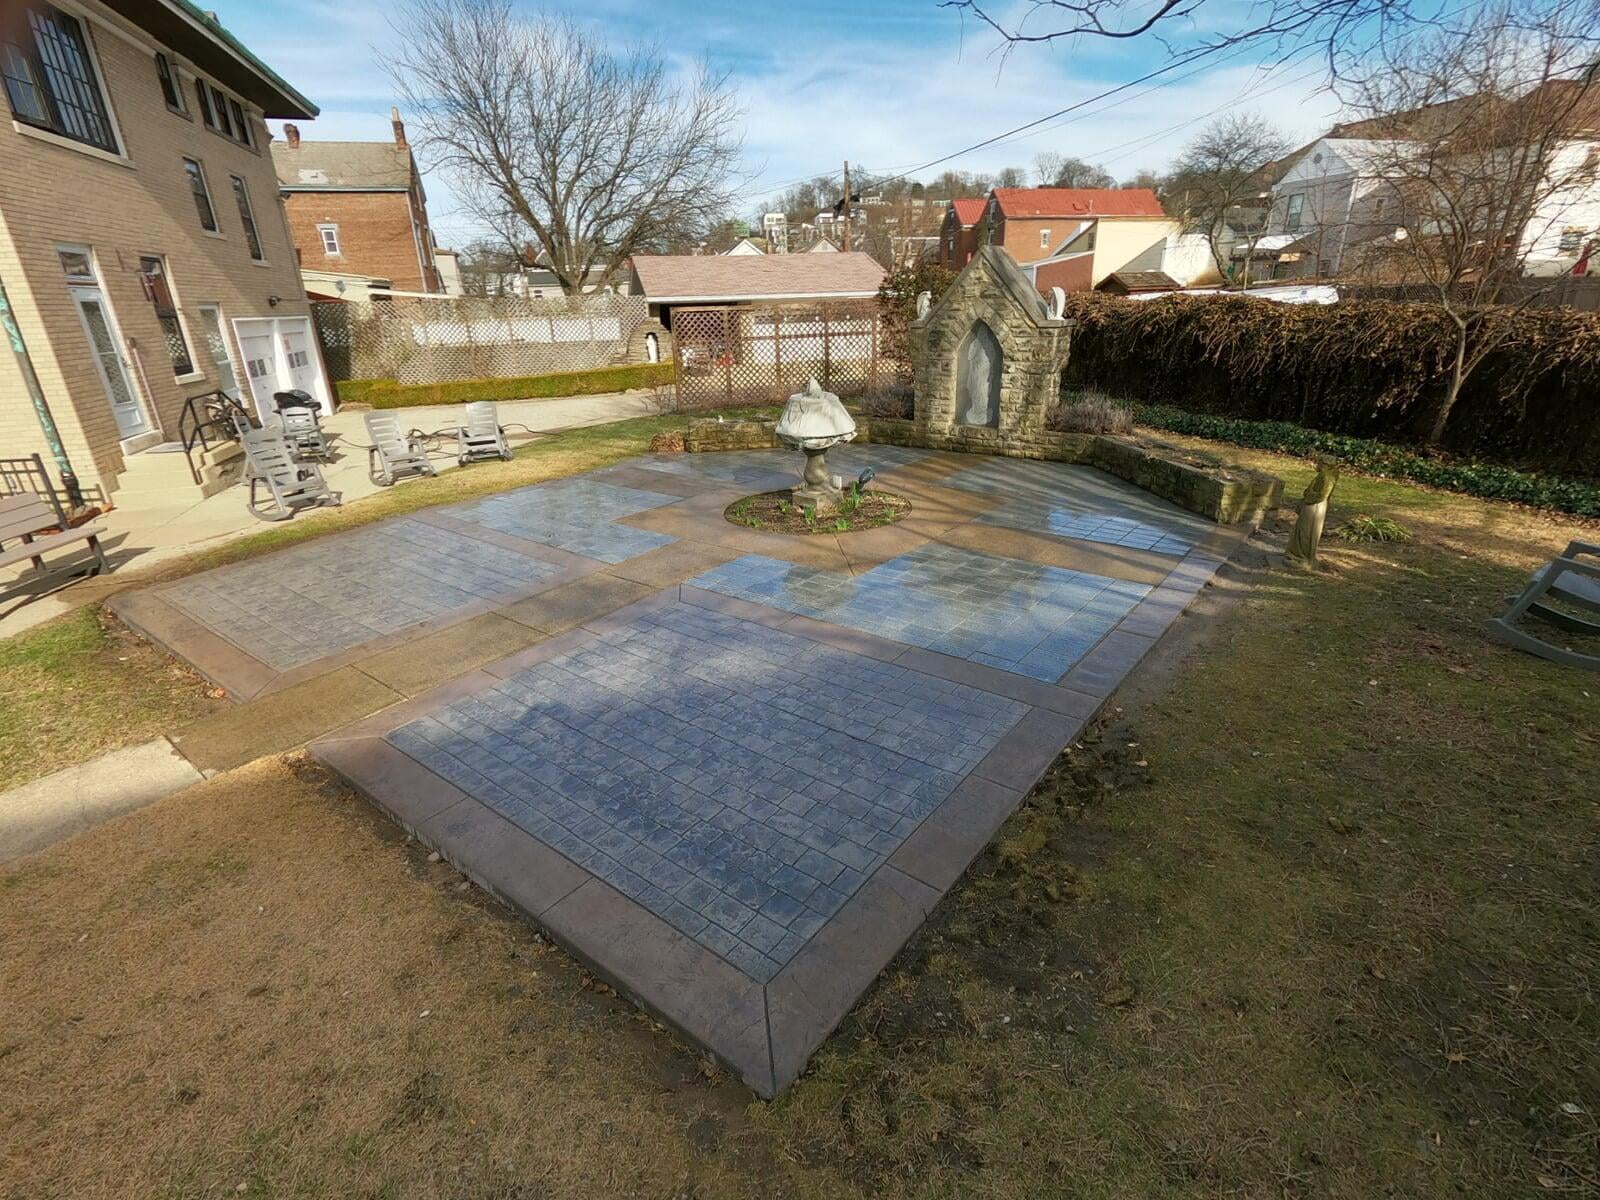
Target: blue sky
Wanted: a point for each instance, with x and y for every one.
(885, 83)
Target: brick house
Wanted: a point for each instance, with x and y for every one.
(358, 208)
(958, 233)
(143, 251)
(1074, 238)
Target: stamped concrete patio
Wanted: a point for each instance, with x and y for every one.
(731, 770)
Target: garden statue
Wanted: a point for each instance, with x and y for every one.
(1313, 513)
(814, 421)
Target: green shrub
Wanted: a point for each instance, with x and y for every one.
(386, 393)
(1364, 527)
(1366, 368)
(1370, 457)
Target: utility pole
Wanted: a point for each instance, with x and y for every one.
(847, 204)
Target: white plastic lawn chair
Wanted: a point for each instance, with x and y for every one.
(393, 452)
(1572, 578)
(304, 433)
(481, 437)
(290, 486)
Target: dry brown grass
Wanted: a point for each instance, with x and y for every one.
(229, 987)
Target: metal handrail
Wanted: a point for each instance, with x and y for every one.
(222, 417)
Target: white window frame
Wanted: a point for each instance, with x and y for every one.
(240, 384)
(329, 233)
(1294, 208)
(194, 373)
(1044, 239)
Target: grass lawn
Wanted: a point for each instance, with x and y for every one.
(1316, 914)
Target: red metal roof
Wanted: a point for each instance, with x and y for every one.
(1078, 202)
(969, 211)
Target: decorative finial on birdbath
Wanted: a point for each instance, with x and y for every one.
(814, 421)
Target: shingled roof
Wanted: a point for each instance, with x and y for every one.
(342, 166)
(705, 278)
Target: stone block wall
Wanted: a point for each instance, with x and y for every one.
(706, 434)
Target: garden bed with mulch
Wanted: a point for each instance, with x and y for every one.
(777, 512)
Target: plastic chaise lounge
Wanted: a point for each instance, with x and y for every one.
(304, 433)
(34, 529)
(1573, 579)
(393, 453)
(290, 486)
(481, 437)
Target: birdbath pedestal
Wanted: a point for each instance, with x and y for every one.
(814, 421)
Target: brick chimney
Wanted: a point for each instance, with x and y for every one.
(399, 127)
(291, 134)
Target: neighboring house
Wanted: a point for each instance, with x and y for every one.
(1334, 198)
(822, 246)
(1073, 238)
(745, 246)
(358, 208)
(958, 234)
(1331, 199)
(343, 286)
(142, 246)
(669, 281)
(448, 264)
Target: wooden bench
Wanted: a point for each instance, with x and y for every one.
(33, 529)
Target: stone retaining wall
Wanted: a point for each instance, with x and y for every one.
(1226, 495)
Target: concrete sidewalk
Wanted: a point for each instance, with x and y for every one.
(150, 535)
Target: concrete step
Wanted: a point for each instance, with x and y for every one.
(161, 475)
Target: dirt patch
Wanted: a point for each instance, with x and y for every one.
(776, 512)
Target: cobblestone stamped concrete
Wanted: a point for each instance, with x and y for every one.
(1019, 616)
(739, 782)
(311, 601)
(576, 515)
(754, 466)
(1078, 502)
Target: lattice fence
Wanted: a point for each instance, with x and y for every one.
(434, 339)
(759, 354)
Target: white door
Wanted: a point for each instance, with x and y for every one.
(296, 334)
(221, 355)
(260, 368)
(106, 350)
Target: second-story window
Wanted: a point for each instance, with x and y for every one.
(154, 272)
(1291, 216)
(222, 113)
(330, 239)
(1044, 239)
(50, 77)
(247, 218)
(202, 194)
(168, 75)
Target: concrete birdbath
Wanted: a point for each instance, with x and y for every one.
(814, 421)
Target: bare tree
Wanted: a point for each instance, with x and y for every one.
(1483, 145)
(1058, 170)
(1218, 178)
(593, 155)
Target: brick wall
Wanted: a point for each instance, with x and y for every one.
(375, 236)
(139, 203)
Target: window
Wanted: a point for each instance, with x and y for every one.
(202, 195)
(169, 83)
(222, 113)
(1571, 239)
(1044, 239)
(247, 218)
(76, 264)
(154, 274)
(241, 127)
(1291, 219)
(50, 78)
(330, 240)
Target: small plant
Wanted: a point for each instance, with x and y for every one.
(841, 526)
(1365, 528)
(1090, 412)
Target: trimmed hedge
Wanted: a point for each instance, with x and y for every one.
(386, 393)
(1371, 457)
(1366, 368)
